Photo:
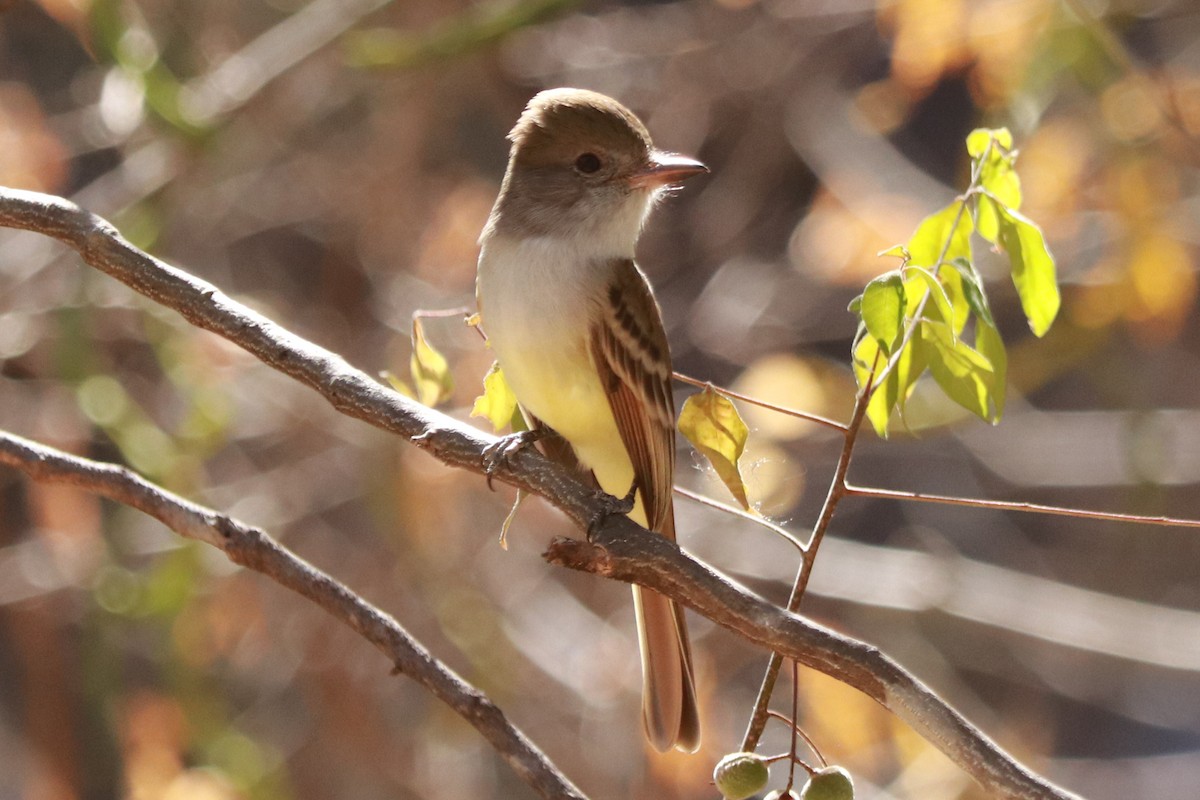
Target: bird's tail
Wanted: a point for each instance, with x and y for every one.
(669, 710)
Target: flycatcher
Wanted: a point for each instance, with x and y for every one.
(579, 336)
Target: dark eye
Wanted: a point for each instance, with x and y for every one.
(588, 163)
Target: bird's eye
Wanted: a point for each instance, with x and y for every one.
(588, 163)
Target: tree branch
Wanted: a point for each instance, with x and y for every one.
(622, 551)
(349, 390)
(253, 548)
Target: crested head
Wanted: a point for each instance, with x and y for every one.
(582, 167)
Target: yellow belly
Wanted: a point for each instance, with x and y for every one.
(560, 387)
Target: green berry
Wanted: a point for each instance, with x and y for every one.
(740, 775)
(830, 783)
(780, 794)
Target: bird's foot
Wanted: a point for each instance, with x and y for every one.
(499, 453)
(610, 506)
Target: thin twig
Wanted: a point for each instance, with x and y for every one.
(254, 548)
(754, 401)
(795, 728)
(807, 739)
(837, 489)
(1007, 505)
(621, 550)
(837, 486)
(778, 530)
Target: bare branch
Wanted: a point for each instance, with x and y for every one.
(629, 553)
(347, 389)
(1009, 505)
(621, 550)
(837, 490)
(254, 548)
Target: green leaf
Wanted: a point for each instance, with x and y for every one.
(883, 307)
(998, 178)
(713, 425)
(497, 404)
(430, 372)
(935, 290)
(952, 224)
(972, 286)
(911, 365)
(964, 374)
(896, 250)
(987, 218)
(991, 346)
(951, 289)
(980, 138)
(879, 408)
(1033, 269)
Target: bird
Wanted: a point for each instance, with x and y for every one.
(579, 336)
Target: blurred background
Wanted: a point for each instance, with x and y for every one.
(331, 162)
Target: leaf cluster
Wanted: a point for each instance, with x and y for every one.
(932, 313)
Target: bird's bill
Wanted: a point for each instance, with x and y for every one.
(665, 168)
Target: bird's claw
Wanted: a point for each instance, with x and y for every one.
(611, 506)
(500, 452)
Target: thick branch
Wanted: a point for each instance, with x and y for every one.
(347, 389)
(254, 548)
(623, 551)
(629, 553)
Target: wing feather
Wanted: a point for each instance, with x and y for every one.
(629, 348)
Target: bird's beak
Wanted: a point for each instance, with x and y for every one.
(663, 168)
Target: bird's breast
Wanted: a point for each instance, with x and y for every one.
(537, 299)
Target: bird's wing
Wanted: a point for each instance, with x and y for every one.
(629, 348)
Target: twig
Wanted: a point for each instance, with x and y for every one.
(837, 486)
(254, 548)
(807, 739)
(837, 490)
(349, 390)
(754, 401)
(621, 550)
(628, 552)
(795, 728)
(778, 530)
(1007, 505)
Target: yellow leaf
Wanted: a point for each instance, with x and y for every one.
(430, 372)
(869, 359)
(712, 424)
(399, 385)
(497, 404)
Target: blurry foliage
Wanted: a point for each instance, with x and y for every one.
(244, 142)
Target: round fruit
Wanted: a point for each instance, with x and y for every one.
(740, 775)
(830, 783)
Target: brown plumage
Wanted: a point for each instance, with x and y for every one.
(577, 331)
